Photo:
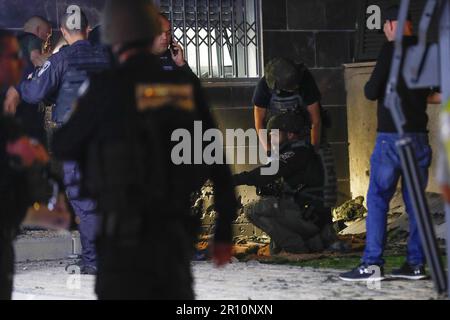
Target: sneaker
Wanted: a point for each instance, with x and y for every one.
(410, 272)
(363, 272)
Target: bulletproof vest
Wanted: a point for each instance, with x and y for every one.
(327, 193)
(313, 173)
(81, 60)
(320, 166)
(292, 103)
(281, 104)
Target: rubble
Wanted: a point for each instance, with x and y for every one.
(349, 222)
(397, 218)
(350, 210)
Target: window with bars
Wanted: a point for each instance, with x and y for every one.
(221, 38)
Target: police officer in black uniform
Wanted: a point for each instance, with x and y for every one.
(170, 53)
(124, 150)
(290, 87)
(291, 208)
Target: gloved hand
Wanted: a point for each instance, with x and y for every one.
(221, 253)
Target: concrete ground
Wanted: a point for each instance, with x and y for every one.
(252, 280)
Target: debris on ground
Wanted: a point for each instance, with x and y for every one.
(349, 222)
(398, 222)
(351, 210)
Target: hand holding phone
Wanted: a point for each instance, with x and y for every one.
(177, 54)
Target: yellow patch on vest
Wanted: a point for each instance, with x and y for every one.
(156, 96)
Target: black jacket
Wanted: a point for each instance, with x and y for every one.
(298, 165)
(414, 102)
(14, 197)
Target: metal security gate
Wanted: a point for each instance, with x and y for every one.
(221, 38)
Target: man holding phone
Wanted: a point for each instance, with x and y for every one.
(170, 52)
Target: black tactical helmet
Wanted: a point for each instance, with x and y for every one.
(125, 22)
(288, 122)
(282, 74)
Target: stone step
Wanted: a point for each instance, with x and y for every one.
(46, 245)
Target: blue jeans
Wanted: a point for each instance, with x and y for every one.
(85, 209)
(384, 176)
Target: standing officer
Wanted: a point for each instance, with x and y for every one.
(59, 81)
(169, 52)
(291, 208)
(124, 145)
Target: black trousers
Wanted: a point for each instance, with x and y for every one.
(6, 269)
(157, 267)
(286, 223)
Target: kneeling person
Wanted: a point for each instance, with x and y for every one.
(291, 207)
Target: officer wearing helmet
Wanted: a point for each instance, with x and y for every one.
(291, 208)
(286, 87)
(290, 87)
(128, 115)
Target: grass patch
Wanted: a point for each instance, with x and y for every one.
(343, 263)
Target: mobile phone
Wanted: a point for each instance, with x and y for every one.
(173, 49)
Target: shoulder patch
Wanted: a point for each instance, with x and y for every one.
(287, 155)
(156, 96)
(44, 68)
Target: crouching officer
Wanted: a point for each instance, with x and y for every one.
(124, 146)
(291, 209)
(58, 81)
